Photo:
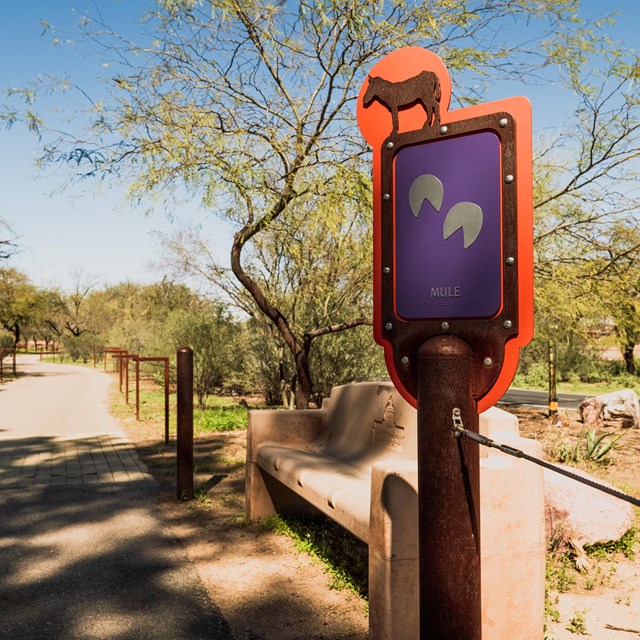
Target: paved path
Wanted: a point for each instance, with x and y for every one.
(55, 428)
(84, 554)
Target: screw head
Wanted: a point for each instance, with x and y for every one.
(487, 362)
(510, 261)
(444, 325)
(386, 271)
(386, 197)
(509, 179)
(503, 123)
(388, 326)
(507, 324)
(443, 129)
(389, 145)
(405, 360)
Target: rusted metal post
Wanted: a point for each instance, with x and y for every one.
(166, 400)
(137, 387)
(120, 372)
(448, 493)
(14, 362)
(1, 365)
(185, 425)
(94, 356)
(126, 379)
(553, 395)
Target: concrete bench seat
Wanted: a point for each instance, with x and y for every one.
(338, 489)
(355, 461)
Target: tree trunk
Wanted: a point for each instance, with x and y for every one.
(300, 352)
(304, 384)
(17, 334)
(628, 358)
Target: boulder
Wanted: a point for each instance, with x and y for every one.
(619, 405)
(576, 514)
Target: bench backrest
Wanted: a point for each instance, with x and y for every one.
(369, 420)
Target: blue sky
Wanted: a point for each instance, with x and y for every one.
(91, 229)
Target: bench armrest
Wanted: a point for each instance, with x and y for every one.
(298, 429)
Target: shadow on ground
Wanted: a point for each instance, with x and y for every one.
(94, 563)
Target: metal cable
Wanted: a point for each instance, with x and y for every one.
(459, 430)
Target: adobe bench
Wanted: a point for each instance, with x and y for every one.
(355, 461)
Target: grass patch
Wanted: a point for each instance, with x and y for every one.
(345, 557)
(598, 388)
(221, 418)
(626, 545)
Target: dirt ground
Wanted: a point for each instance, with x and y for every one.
(267, 590)
(605, 602)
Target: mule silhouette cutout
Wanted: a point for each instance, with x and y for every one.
(423, 88)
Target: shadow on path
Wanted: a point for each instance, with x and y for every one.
(96, 564)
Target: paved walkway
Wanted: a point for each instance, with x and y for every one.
(55, 428)
(84, 555)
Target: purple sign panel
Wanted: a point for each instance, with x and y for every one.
(448, 249)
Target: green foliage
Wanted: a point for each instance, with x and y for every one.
(18, 303)
(560, 571)
(6, 339)
(346, 357)
(577, 624)
(626, 545)
(219, 419)
(597, 448)
(344, 556)
(81, 347)
(216, 339)
(588, 448)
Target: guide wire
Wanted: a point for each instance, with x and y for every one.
(459, 430)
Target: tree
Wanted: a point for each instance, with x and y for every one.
(250, 105)
(18, 301)
(315, 268)
(8, 238)
(215, 337)
(586, 176)
(73, 315)
(619, 288)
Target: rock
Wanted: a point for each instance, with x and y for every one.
(576, 514)
(618, 405)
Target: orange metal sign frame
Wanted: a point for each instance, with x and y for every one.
(404, 101)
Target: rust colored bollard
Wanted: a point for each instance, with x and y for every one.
(184, 471)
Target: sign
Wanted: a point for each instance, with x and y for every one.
(447, 243)
(453, 220)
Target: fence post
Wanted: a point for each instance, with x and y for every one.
(166, 400)
(126, 379)
(184, 471)
(137, 387)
